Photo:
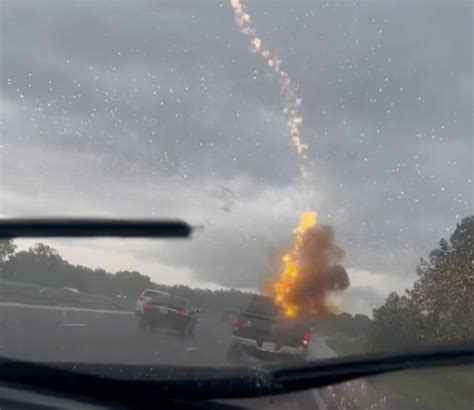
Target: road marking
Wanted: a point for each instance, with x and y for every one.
(191, 348)
(326, 352)
(76, 309)
(319, 400)
(73, 309)
(73, 324)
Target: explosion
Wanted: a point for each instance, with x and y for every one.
(311, 270)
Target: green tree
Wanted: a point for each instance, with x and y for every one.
(40, 249)
(7, 248)
(43, 265)
(440, 306)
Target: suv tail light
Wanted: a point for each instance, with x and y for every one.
(306, 337)
(147, 306)
(237, 323)
(182, 313)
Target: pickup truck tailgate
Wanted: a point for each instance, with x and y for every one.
(264, 329)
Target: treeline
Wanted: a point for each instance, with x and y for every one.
(43, 265)
(439, 309)
(343, 324)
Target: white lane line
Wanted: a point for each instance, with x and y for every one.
(319, 400)
(73, 324)
(320, 350)
(73, 309)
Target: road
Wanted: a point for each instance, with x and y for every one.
(103, 337)
(57, 334)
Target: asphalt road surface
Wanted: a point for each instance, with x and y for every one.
(56, 334)
(104, 337)
(67, 334)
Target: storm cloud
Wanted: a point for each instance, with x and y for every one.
(158, 109)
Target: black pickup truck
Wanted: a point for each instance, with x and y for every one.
(261, 332)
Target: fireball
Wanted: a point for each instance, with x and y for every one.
(311, 271)
(283, 285)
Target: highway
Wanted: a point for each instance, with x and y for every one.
(56, 334)
(81, 335)
(104, 337)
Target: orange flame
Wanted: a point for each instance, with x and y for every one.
(284, 284)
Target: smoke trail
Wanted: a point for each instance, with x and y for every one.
(288, 90)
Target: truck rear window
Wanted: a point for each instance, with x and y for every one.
(263, 306)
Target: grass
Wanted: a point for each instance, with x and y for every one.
(347, 346)
(435, 389)
(17, 292)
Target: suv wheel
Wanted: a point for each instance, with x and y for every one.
(142, 325)
(187, 330)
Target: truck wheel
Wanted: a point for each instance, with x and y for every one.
(235, 355)
(187, 331)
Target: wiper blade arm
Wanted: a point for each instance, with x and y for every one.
(137, 385)
(93, 227)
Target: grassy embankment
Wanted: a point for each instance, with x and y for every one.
(17, 292)
(435, 389)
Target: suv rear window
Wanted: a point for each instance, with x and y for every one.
(171, 301)
(151, 293)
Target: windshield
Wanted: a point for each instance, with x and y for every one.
(322, 151)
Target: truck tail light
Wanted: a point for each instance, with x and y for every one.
(306, 337)
(182, 313)
(237, 323)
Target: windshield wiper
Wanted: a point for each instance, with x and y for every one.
(132, 385)
(93, 227)
(138, 384)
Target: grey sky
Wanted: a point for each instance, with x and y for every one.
(158, 109)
